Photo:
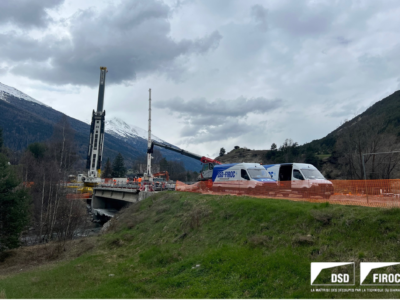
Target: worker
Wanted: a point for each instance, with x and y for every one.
(140, 181)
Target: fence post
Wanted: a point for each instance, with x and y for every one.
(365, 178)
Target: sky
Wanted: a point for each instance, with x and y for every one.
(223, 73)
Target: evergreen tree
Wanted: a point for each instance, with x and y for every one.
(164, 166)
(14, 205)
(273, 146)
(107, 173)
(1, 138)
(118, 168)
(312, 159)
(38, 150)
(222, 152)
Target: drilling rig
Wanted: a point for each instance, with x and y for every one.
(96, 140)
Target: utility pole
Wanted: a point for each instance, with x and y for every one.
(365, 177)
(149, 175)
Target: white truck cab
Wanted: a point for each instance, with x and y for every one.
(299, 178)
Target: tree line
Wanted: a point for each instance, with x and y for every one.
(34, 194)
(33, 188)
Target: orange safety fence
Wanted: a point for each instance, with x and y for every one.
(79, 196)
(375, 193)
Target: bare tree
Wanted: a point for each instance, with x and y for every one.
(366, 138)
(53, 215)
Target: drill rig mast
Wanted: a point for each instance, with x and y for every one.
(96, 140)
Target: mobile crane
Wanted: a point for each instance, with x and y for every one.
(96, 140)
(208, 163)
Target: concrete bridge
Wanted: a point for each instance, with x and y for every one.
(107, 201)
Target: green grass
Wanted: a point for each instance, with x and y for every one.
(323, 156)
(245, 248)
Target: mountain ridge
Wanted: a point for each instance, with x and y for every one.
(25, 121)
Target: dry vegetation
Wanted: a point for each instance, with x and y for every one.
(24, 259)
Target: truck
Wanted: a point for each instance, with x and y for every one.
(299, 178)
(239, 177)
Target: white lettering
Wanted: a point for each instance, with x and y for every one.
(391, 278)
(384, 278)
(340, 278)
(375, 277)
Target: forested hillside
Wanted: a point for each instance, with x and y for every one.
(340, 154)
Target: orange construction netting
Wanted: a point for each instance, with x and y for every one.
(375, 193)
(79, 196)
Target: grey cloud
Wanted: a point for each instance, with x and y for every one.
(239, 107)
(17, 47)
(27, 13)
(131, 38)
(302, 18)
(346, 110)
(342, 40)
(219, 119)
(259, 13)
(228, 130)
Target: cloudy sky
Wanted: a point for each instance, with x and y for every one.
(222, 73)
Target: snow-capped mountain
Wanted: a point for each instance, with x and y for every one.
(25, 120)
(120, 129)
(6, 91)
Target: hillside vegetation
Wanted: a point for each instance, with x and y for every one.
(184, 245)
(339, 154)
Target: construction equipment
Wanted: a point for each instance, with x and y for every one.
(96, 140)
(148, 176)
(208, 163)
(165, 173)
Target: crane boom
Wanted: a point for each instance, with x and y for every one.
(96, 139)
(181, 151)
(208, 163)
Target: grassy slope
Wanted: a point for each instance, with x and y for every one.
(246, 247)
